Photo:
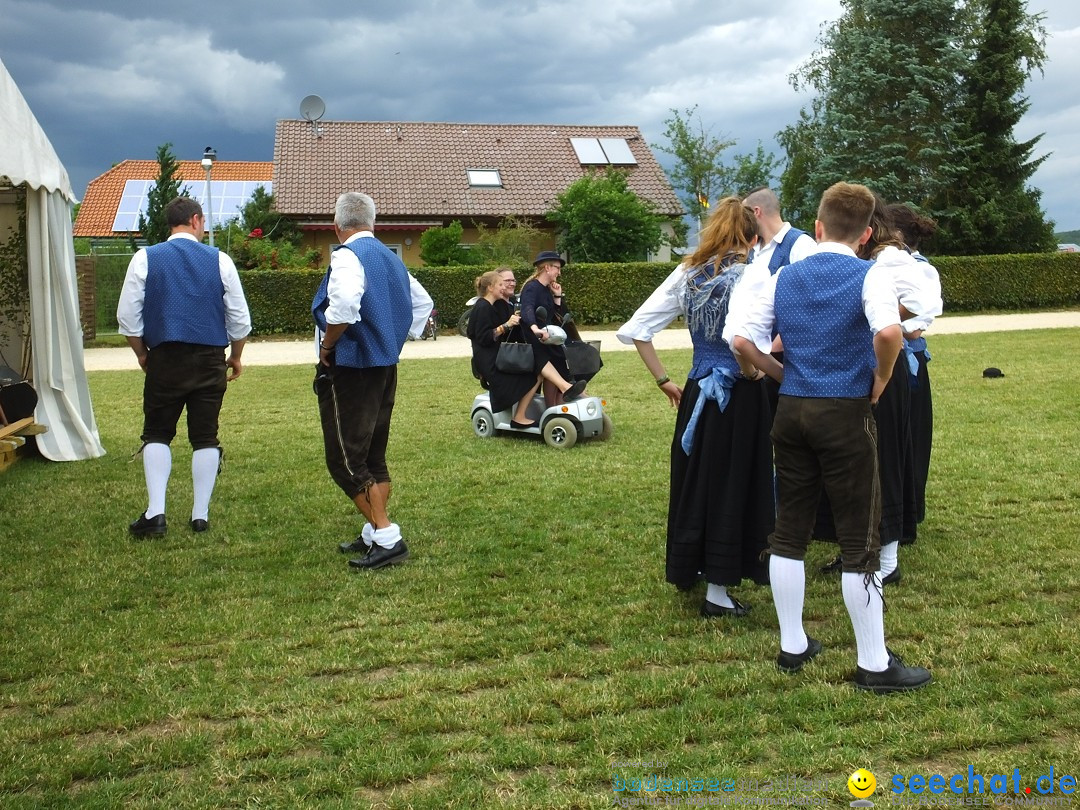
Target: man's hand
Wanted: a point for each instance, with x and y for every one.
(235, 368)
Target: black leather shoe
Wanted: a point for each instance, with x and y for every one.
(574, 391)
(148, 527)
(793, 662)
(710, 609)
(357, 546)
(892, 578)
(380, 557)
(895, 678)
(834, 567)
(199, 525)
(516, 425)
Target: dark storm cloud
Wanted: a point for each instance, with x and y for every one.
(113, 80)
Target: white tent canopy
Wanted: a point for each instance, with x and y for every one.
(58, 372)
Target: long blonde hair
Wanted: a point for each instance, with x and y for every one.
(731, 230)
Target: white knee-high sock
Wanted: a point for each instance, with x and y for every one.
(788, 579)
(718, 595)
(864, 605)
(157, 465)
(888, 557)
(388, 537)
(204, 470)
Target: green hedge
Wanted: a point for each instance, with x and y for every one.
(280, 300)
(1015, 281)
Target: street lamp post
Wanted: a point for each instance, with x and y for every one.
(207, 163)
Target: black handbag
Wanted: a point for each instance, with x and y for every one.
(583, 359)
(515, 358)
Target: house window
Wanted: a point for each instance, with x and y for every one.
(484, 178)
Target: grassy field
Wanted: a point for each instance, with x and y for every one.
(530, 654)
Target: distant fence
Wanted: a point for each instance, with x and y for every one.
(101, 277)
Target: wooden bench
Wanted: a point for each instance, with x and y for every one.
(13, 437)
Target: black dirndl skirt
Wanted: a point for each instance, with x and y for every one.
(721, 509)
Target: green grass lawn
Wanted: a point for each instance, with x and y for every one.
(531, 646)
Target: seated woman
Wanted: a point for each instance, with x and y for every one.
(490, 323)
(542, 291)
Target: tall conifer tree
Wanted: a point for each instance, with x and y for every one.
(996, 211)
(166, 188)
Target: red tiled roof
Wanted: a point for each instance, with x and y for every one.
(98, 209)
(414, 169)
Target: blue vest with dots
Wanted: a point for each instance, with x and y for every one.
(828, 346)
(386, 308)
(185, 299)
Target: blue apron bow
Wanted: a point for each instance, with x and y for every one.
(716, 386)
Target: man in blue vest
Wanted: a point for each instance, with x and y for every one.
(365, 309)
(180, 306)
(779, 244)
(838, 319)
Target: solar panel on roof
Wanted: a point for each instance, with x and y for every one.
(588, 151)
(227, 197)
(618, 151)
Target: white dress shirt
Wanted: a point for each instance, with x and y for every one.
(917, 284)
(878, 302)
(129, 310)
(804, 246)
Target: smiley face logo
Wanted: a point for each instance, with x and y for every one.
(861, 783)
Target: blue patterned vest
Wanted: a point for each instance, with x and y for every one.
(184, 299)
(706, 303)
(828, 346)
(386, 308)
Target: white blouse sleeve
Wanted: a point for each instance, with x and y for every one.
(660, 309)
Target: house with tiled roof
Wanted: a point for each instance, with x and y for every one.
(424, 175)
(114, 200)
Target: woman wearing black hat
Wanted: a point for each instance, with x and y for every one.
(543, 292)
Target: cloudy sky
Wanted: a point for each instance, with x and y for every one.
(109, 81)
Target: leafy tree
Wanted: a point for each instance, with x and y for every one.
(602, 220)
(698, 171)
(166, 188)
(510, 243)
(442, 246)
(258, 214)
(751, 171)
(996, 211)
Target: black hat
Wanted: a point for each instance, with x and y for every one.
(993, 372)
(548, 256)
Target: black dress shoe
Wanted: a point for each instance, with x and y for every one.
(710, 609)
(357, 546)
(199, 525)
(380, 557)
(834, 567)
(574, 391)
(793, 662)
(148, 527)
(892, 578)
(895, 678)
(516, 425)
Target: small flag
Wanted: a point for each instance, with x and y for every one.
(703, 200)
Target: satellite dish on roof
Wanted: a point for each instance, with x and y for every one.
(312, 108)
